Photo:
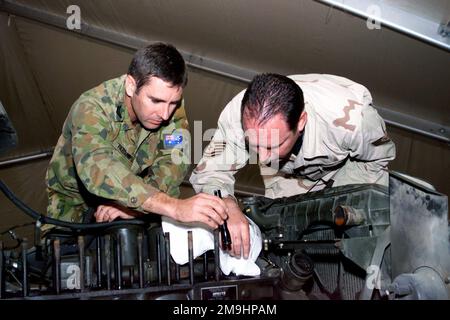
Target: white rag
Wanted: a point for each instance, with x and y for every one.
(203, 240)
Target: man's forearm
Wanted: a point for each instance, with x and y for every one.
(202, 207)
(230, 200)
(161, 203)
(232, 204)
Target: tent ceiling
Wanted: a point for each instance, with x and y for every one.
(408, 78)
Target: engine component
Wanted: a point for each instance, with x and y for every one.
(224, 232)
(366, 205)
(337, 243)
(424, 284)
(419, 223)
(348, 216)
(296, 272)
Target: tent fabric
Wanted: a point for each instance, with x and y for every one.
(289, 37)
(20, 89)
(44, 69)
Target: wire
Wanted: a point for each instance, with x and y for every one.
(61, 223)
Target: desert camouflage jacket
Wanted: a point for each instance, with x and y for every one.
(101, 156)
(344, 142)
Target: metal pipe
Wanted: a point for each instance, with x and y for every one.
(216, 255)
(191, 257)
(25, 158)
(119, 262)
(205, 266)
(2, 278)
(108, 254)
(348, 216)
(417, 125)
(395, 19)
(24, 268)
(37, 240)
(177, 272)
(57, 265)
(159, 257)
(131, 275)
(81, 260)
(167, 248)
(140, 239)
(98, 256)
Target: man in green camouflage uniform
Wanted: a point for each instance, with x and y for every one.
(123, 148)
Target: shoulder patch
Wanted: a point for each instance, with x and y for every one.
(172, 141)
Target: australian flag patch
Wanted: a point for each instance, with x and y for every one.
(172, 141)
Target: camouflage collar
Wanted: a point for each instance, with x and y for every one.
(120, 98)
(121, 114)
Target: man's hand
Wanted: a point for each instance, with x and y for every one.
(110, 212)
(202, 207)
(239, 230)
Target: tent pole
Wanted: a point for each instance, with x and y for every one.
(396, 18)
(25, 158)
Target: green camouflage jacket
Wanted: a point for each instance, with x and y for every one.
(100, 156)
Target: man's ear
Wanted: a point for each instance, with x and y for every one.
(130, 85)
(302, 121)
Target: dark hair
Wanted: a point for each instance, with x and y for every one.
(159, 60)
(270, 94)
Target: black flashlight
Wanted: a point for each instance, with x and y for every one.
(226, 237)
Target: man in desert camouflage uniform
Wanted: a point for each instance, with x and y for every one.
(122, 147)
(308, 132)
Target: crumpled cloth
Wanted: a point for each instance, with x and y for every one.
(203, 240)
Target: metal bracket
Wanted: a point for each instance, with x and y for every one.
(394, 17)
(383, 241)
(444, 30)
